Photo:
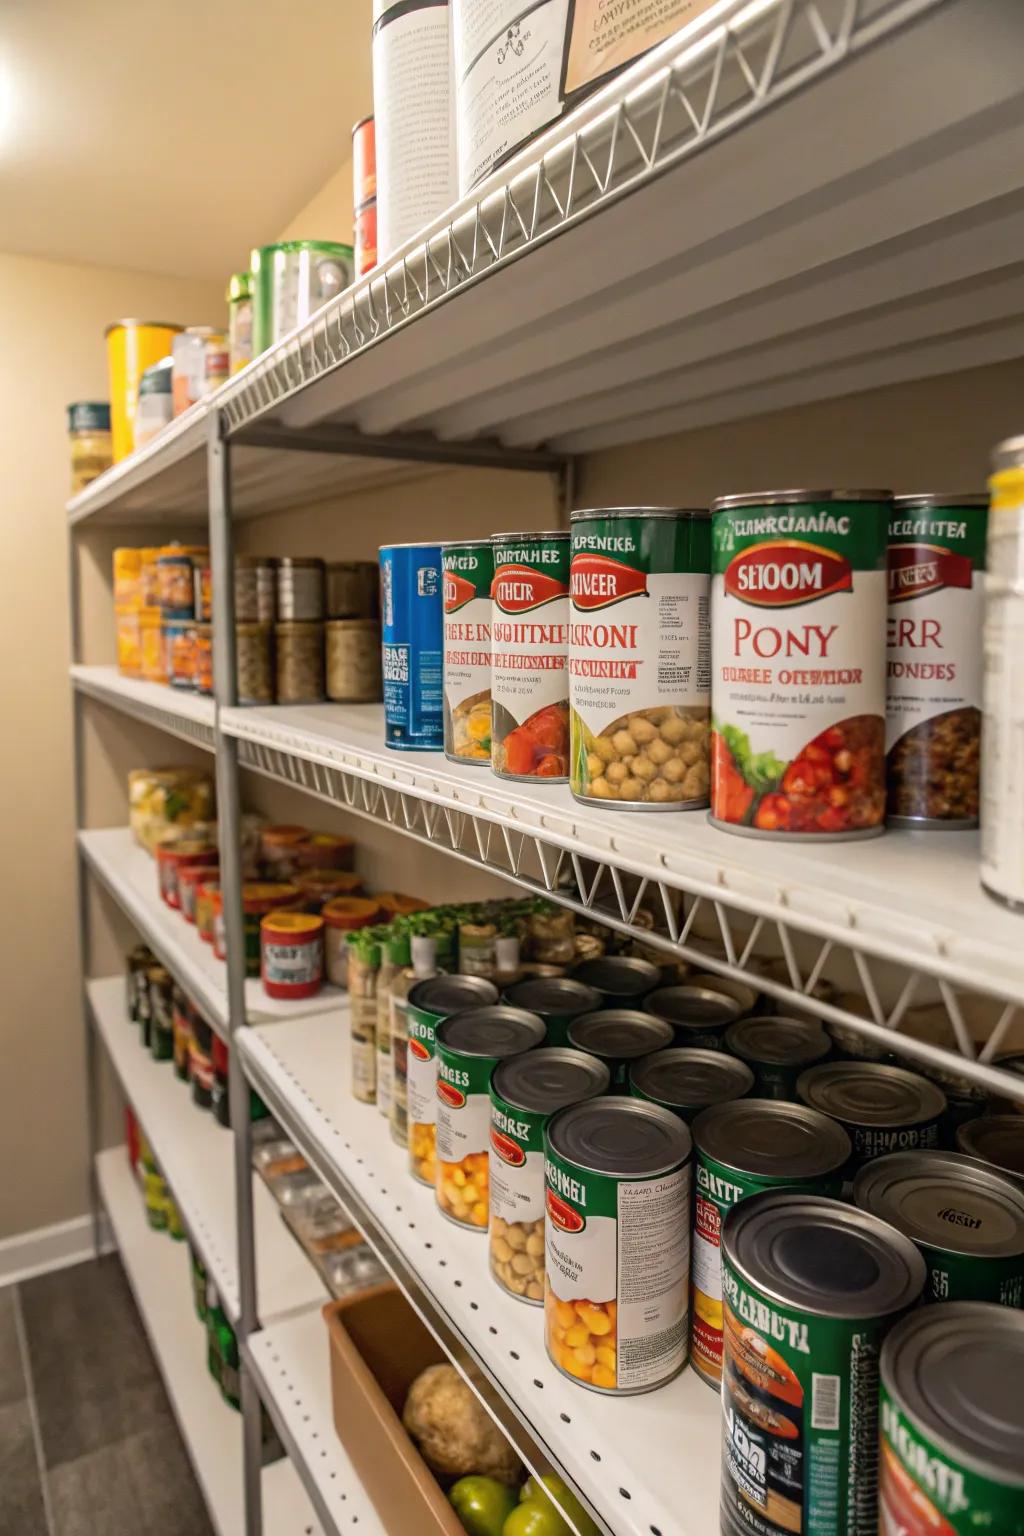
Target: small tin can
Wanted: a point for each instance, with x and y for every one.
(353, 589)
(413, 646)
(253, 664)
(202, 660)
(618, 1036)
(950, 1459)
(353, 660)
(179, 639)
(555, 999)
(743, 1148)
(934, 660)
(623, 980)
(364, 229)
(469, 1047)
(292, 954)
(967, 1221)
(1002, 769)
(364, 163)
(699, 1017)
(994, 1139)
(203, 579)
(526, 1091)
(884, 1109)
(777, 1050)
(530, 647)
(428, 1003)
(300, 589)
(617, 1244)
(810, 1289)
(743, 994)
(468, 567)
(299, 662)
(255, 589)
(687, 1081)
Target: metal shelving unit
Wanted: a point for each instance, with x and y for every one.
(777, 217)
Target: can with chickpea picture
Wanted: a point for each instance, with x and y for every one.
(617, 1244)
(529, 669)
(428, 1003)
(469, 1047)
(640, 658)
(467, 567)
(525, 1092)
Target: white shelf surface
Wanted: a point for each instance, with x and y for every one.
(175, 710)
(158, 1272)
(196, 1156)
(291, 1364)
(661, 1448)
(129, 874)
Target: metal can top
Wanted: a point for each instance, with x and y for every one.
(690, 1078)
(689, 1007)
(548, 1079)
(791, 498)
(1009, 454)
(870, 1093)
(945, 1200)
(416, 543)
(938, 499)
(529, 537)
(777, 1040)
(995, 1139)
(619, 1034)
(494, 1032)
(554, 996)
(956, 1370)
(451, 994)
(626, 978)
(575, 517)
(772, 1140)
(482, 542)
(627, 1138)
(822, 1257)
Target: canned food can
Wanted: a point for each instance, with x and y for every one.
(1002, 768)
(525, 1092)
(994, 1139)
(132, 347)
(529, 665)
(967, 1221)
(299, 661)
(307, 274)
(364, 234)
(743, 1148)
(468, 567)
(413, 646)
(686, 1081)
(618, 1036)
(617, 1245)
(364, 163)
(745, 995)
(352, 589)
(798, 695)
(300, 589)
(949, 1456)
(255, 590)
(810, 1290)
(699, 1016)
(777, 1050)
(469, 1047)
(555, 999)
(884, 1109)
(353, 663)
(428, 1003)
(639, 658)
(623, 980)
(934, 660)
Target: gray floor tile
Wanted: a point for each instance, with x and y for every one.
(12, 1374)
(21, 1496)
(141, 1486)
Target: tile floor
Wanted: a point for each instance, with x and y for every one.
(88, 1441)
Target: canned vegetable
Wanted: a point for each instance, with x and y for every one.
(623, 980)
(885, 1109)
(555, 999)
(428, 1002)
(699, 1016)
(777, 1050)
(995, 1139)
(618, 1036)
(468, 567)
(529, 668)
(687, 1081)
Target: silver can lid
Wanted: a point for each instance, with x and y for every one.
(995, 1139)
(530, 538)
(622, 978)
(548, 1079)
(925, 500)
(868, 1093)
(822, 1257)
(451, 994)
(619, 1034)
(690, 1078)
(588, 512)
(626, 1138)
(778, 1041)
(688, 1007)
(794, 498)
(772, 1140)
(956, 1371)
(492, 1032)
(554, 996)
(945, 1200)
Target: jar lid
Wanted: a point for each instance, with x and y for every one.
(239, 287)
(292, 923)
(350, 912)
(89, 416)
(156, 379)
(265, 896)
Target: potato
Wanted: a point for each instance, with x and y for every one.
(455, 1434)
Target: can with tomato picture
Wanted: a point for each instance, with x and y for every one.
(798, 602)
(529, 668)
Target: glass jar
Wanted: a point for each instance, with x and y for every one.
(154, 409)
(344, 915)
(399, 1110)
(89, 432)
(300, 662)
(364, 956)
(253, 665)
(394, 956)
(239, 298)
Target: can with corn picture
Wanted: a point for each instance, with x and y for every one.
(429, 1002)
(468, 567)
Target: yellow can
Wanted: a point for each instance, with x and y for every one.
(132, 345)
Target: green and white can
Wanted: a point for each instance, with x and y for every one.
(777, 1050)
(884, 1109)
(967, 1221)
(810, 1288)
(617, 1245)
(618, 1037)
(468, 569)
(699, 1016)
(529, 669)
(555, 999)
(995, 1139)
(686, 1081)
(429, 1002)
(950, 1460)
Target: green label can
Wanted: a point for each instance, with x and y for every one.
(468, 569)
(619, 1036)
(884, 1109)
(529, 667)
(555, 999)
(950, 1459)
(429, 1002)
(810, 1288)
(777, 1050)
(687, 1081)
(640, 657)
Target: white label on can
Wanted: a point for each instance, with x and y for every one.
(462, 1129)
(415, 130)
(296, 964)
(516, 1173)
(421, 1074)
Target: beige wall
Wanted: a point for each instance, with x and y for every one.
(52, 317)
(328, 215)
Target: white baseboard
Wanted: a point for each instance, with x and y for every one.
(45, 1248)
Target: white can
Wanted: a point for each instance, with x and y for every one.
(1002, 732)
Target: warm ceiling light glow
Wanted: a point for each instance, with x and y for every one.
(6, 102)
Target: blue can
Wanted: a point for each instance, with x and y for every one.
(412, 633)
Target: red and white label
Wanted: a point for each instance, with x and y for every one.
(781, 573)
(597, 581)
